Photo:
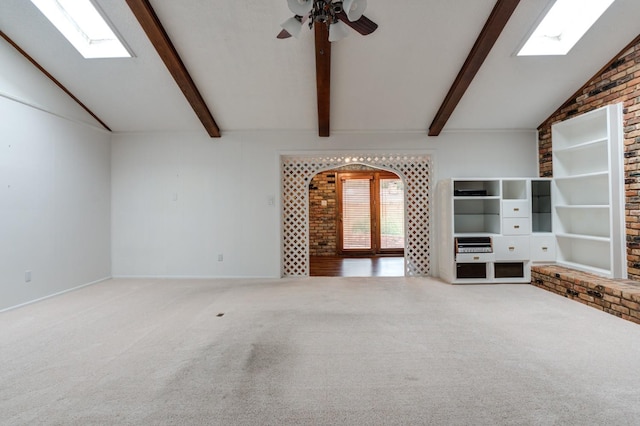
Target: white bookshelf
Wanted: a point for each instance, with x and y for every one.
(588, 186)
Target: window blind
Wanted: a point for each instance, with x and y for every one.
(356, 214)
(391, 214)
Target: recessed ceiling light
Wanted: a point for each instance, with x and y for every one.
(561, 28)
(84, 26)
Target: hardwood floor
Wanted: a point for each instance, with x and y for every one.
(336, 266)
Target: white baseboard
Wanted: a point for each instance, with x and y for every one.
(195, 277)
(55, 294)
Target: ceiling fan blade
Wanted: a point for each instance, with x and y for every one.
(286, 34)
(283, 34)
(364, 25)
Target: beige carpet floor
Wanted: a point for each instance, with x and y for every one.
(316, 351)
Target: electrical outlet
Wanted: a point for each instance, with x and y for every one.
(220, 257)
(27, 276)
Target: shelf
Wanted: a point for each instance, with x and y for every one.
(490, 187)
(582, 159)
(590, 175)
(584, 206)
(582, 267)
(583, 237)
(584, 190)
(471, 197)
(476, 224)
(515, 189)
(476, 207)
(586, 253)
(581, 129)
(582, 145)
(591, 221)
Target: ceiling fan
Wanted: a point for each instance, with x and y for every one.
(337, 15)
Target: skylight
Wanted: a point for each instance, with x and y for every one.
(85, 28)
(565, 23)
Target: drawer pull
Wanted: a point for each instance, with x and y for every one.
(516, 209)
(512, 248)
(516, 226)
(545, 248)
(476, 257)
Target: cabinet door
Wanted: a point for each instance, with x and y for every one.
(515, 208)
(516, 226)
(543, 248)
(511, 248)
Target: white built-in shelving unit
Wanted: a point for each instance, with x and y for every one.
(575, 219)
(513, 213)
(588, 209)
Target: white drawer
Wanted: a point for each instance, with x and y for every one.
(543, 248)
(511, 248)
(516, 226)
(515, 208)
(474, 257)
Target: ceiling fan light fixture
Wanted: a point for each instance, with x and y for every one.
(354, 9)
(337, 31)
(331, 13)
(300, 7)
(293, 26)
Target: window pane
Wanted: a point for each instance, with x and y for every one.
(391, 214)
(356, 214)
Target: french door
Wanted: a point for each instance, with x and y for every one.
(370, 213)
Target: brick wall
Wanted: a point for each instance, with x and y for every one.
(618, 81)
(323, 232)
(616, 297)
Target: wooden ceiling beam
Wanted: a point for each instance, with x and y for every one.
(496, 22)
(52, 78)
(158, 36)
(323, 78)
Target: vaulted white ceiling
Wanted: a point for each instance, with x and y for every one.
(392, 80)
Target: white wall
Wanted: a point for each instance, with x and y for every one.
(24, 83)
(179, 200)
(78, 204)
(54, 188)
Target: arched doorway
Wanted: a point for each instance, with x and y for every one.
(356, 222)
(296, 172)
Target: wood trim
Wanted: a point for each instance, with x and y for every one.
(584, 86)
(355, 175)
(323, 78)
(157, 35)
(52, 78)
(378, 214)
(496, 22)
